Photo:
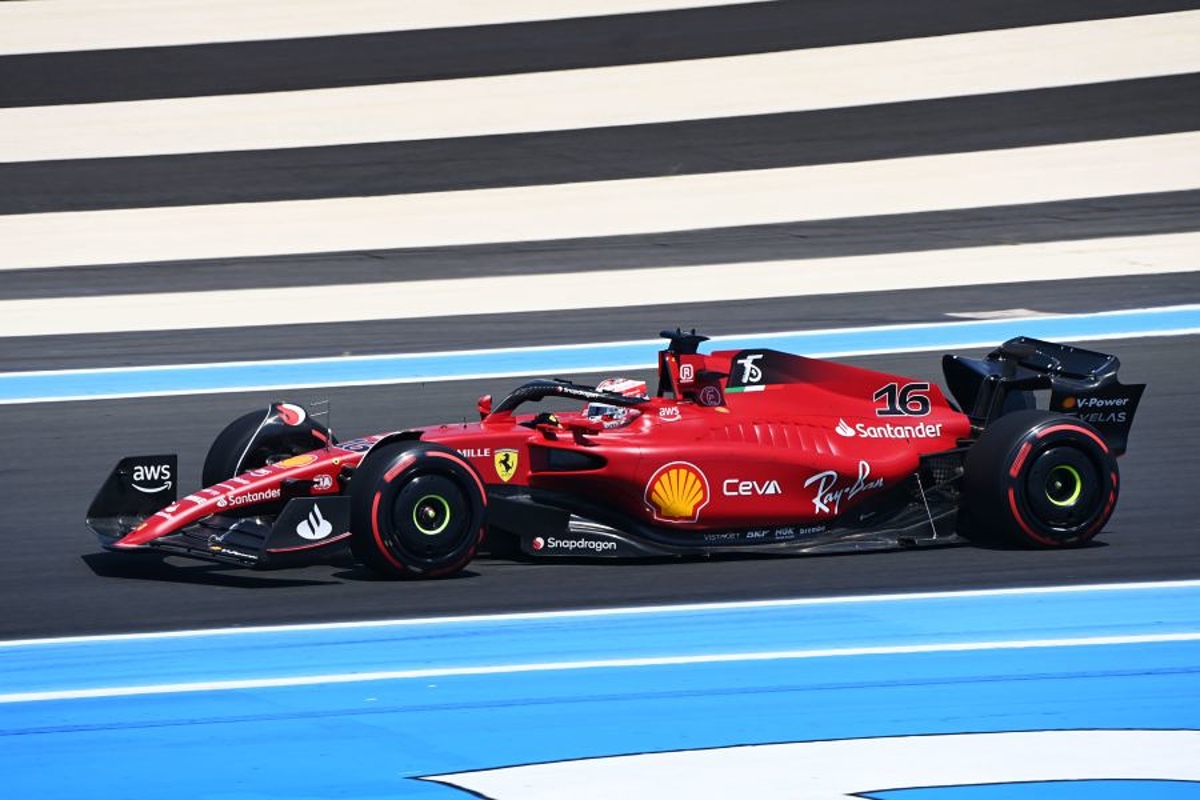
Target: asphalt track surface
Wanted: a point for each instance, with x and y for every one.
(58, 582)
(54, 580)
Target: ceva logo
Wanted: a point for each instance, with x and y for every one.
(844, 430)
(734, 487)
(677, 492)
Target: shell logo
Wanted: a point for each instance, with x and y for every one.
(677, 492)
(296, 461)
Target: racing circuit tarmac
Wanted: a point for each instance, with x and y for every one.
(55, 455)
(836, 165)
(55, 567)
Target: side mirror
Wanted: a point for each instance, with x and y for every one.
(484, 404)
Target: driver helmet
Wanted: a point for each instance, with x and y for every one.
(612, 416)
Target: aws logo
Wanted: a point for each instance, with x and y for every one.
(677, 492)
(151, 478)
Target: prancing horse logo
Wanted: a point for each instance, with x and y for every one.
(506, 463)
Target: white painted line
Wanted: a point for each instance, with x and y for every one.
(801, 80)
(612, 663)
(621, 611)
(714, 342)
(59, 25)
(611, 208)
(1000, 313)
(515, 294)
(51, 386)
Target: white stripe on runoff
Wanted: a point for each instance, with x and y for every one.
(278, 682)
(1092, 258)
(606, 208)
(833, 77)
(618, 611)
(61, 25)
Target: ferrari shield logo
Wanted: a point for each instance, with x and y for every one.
(506, 463)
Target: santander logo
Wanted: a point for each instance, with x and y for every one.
(919, 430)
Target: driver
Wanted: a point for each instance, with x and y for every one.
(613, 416)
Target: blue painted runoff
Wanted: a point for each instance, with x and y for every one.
(409, 367)
(377, 738)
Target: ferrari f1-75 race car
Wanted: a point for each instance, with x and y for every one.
(735, 451)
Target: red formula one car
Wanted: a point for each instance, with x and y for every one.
(736, 450)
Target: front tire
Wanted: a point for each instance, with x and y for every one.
(229, 454)
(1040, 480)
(416, 510)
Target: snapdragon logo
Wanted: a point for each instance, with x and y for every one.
(921, 430)
(572, 545)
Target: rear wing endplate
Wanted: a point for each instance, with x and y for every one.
(1082, 383)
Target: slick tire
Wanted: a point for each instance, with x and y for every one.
(221, 463)
(1039, 479)
(417, 510)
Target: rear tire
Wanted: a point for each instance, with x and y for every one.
(416, 510)
(1040, 479)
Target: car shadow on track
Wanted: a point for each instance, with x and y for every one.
(360, 574)
(157, 567)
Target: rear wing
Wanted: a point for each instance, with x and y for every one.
(1082, 383)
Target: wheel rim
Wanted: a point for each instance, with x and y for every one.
(430, 518)
(1062, 489)
(431, 514)
(1064, 486)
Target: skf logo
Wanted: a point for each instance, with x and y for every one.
(677, 492)
(505, 461)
